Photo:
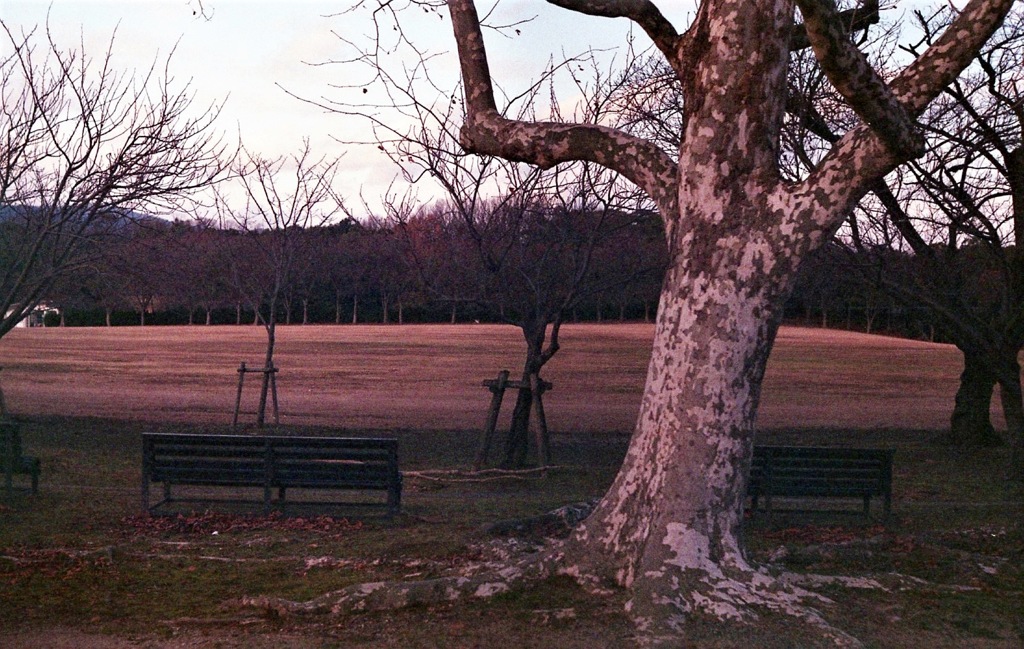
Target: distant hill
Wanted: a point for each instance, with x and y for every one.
(122, 218)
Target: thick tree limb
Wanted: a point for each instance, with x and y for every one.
(547, 144)
(642, 12)
(860, 157)
(851, 20)
(901, 220)
(947, 57)
(852, 75)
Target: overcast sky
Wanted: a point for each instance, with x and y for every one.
(246, 50)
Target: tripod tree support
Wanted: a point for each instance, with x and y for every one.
(497, 386)
(269, 378)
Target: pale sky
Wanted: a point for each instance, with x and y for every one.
(248, 48)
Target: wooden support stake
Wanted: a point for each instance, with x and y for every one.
(238, 397)
(497, 388)
(270, 378)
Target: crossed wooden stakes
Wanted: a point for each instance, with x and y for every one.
(270, 372)
(497, 386)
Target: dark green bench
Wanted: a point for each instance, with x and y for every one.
(820, 473)
(12, 462)
(271, 463)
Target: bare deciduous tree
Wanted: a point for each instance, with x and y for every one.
(941, 234)
(280, 199)
(85, 149)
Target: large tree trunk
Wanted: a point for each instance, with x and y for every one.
(669, 527)
(971, 423)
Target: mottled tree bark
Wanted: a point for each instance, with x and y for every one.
(668, 528)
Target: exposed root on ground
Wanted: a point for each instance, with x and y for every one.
(513, 564)
(736, 592)
(733, 592)
(509, 564)
(457, 476)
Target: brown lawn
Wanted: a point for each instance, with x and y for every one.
(429, 376)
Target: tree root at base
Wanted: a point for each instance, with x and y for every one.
(729, 599)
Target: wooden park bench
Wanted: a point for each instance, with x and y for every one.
(12, 462)
(272, 463)
(820, 473)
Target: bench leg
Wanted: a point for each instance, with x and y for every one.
(394, 499)
(867, 506)
(35, 482)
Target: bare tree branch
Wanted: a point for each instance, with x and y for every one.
(547, 144)
(642, 12)
(861, 153)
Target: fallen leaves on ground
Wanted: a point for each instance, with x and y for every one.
(213, 523)
(20, 564)
(816, 535)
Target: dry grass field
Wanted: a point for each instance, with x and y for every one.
(429, 376)
(81, 568)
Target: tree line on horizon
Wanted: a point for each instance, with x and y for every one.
(367, 272)
(929, 252)
(353, 272)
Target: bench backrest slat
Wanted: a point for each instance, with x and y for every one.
(274, 460)
(798, 470)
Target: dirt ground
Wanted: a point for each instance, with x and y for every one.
(429, 376)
